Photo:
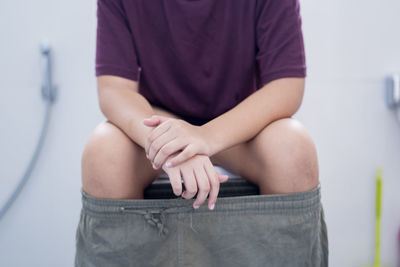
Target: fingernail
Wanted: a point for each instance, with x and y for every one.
(154, 166)
(196, 206)
(168, 164)
(212, 206)
(147, 156)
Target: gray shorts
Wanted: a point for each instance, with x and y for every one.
(258, 230)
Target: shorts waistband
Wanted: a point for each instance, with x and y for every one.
(302, 201)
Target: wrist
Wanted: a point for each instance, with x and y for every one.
(211, 138)
(139, 131)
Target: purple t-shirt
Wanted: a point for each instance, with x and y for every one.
(199, 58)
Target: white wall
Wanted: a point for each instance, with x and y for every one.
(350, 47)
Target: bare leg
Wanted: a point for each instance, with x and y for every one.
(113, 166)
(281, 159)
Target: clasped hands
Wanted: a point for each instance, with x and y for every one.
(182, 150)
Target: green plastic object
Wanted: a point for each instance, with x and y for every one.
(378, 201)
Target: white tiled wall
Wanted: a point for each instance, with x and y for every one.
(350, 47)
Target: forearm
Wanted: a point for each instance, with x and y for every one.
(126, 108)
(278, 99)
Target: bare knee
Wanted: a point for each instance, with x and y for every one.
(288, 156)
(108, 164)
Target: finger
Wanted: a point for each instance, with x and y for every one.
(186, 154)
(214, 182)
(203, 185)
(167, 150)
(190, 182)
(175, 180)
(223, 178)
(156, 132)
(154, 120)
(161, 118)
(158, 144)
(154, 135)
(151, 121)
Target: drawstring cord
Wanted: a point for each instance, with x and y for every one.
(155, 221)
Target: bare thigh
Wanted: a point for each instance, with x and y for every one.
(281, 158)
(114, 166)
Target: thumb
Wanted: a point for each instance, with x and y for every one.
(154, 120)
(222, 178)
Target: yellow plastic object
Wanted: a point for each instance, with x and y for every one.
(377, 262)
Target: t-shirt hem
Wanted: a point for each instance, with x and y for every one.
(287, 73)
(112, 70)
